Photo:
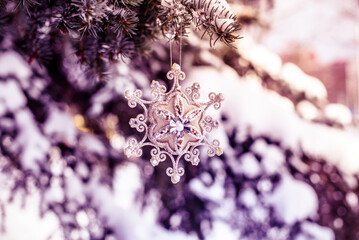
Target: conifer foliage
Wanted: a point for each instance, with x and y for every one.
(104, 31)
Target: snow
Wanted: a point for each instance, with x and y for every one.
(74, 187)
(352, 200)
(117, 141)
(29, 140)
(82, 219)
(36, 87)
(12, 64)
(338, 147)
(124, 186)
(265, 185)
(75, 71)
(33, 145)
(278, 233)
(11, 96)
(2, 108)
(127, 78)
(6, 184)
(248, 197)
(259, 214)
(124, 214)
(315, 232)
(259, 147)
(261, 58)
(338, 113)
(208, 58)
(307, 110)
(118, 207)
(293, 200)
(249, 165)
(92, 144)
(221, 230)
(299, 81)
(273, 159)
(289, 74)
(214, 193)
(249, 108)
(60, 127)
(260, 112)
(22, 220)
(82, 170)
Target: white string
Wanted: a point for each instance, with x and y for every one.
(180, 53)
(171, 52)
(180, 49)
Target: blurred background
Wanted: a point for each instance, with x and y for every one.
(289, 125)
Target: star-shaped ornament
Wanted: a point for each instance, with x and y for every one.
(174, 123)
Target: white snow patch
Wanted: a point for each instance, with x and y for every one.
(11, 63)
(307, 110)
(292, 76)
(91, 143)
(225, 210)
(248, 198)
(315, 232)
(273, 159)
(82, 218)
(352, 200)
(36, 87)
(28, 219)
(259, 214)
(293, 200)
(74, 187)
(11, 95)
(249, 165)
(60, 126)
(259, 147)
(125, 187)
(103, 96)
(299, 81)
(261, 58)
(338, 113)
(215, 192)
(265, 185)
(122, 216)
(2, 108)
(30, 141)
(55, 193)
(221, 230)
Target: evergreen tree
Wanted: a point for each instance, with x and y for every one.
(103, 32)
(64, 68)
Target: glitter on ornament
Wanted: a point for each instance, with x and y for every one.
(174, 124)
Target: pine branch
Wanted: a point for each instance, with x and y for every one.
(5, 21)
(133, 3)
(124, 21)
(214, 15)
(27, 3)
(90, 16)
(103, 31)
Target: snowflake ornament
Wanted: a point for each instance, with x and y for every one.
(174, 124)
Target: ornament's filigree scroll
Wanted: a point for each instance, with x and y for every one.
(174, 124)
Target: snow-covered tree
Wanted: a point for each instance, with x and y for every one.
(289, 169)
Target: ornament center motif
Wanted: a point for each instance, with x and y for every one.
(177, 127)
